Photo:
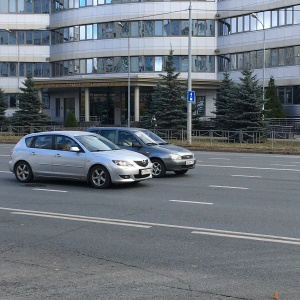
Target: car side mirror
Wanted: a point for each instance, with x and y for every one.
(74, 149)
(136, 144)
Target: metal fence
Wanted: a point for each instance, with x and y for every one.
(273, 138)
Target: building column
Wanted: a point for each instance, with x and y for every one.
(40, 94)
(87, 104)
(136, 103)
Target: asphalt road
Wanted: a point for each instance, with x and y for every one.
(229, 229)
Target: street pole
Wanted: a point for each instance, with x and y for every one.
(189, 104)
(128, 83)
(18, 66)
(253, 15)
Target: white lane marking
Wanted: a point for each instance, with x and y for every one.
(195, 229)
(79, 219)
(253, 168)
(4, 155)
(279, 240)
(5, 172)
(183, 201)
(283, 165)
(229, 187)
(246, 176)
(220, 158)
(47, 190)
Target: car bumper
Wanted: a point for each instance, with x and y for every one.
(180, 164)
(11, 166)
(125, 175)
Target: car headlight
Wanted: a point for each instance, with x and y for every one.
(122, 163)
(175, 156)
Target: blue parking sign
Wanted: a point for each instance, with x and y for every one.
(191, 96)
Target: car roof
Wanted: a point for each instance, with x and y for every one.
(118, 128)
(66, 132)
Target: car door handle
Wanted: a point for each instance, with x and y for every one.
(32, 153)
(57, 155)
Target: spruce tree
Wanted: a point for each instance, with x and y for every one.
(71, 120)
(3, 107)
(247, 107)
(226, 95)
(169, 98)
(273, 106)
(30, 107)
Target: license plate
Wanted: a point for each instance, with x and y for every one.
(189, 162)
(145, 171)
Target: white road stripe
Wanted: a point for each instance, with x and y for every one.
(229, 187)
(247, 176)
(5, 172)
(253, 168)
(80, 219)
(249, 238)
(4, 155)
(47, 190)
(216, 232)
(220, 158)
(207, 203)
(281, 165)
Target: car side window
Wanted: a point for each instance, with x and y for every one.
(126, 139)
(42, 142)
(64, 143)
(109, 134)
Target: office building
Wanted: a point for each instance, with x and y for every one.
(80, 52)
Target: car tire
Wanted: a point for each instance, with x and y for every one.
(159, 169)
(23, 172)
(99, 177)
(181, 172)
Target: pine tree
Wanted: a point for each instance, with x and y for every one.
(247, 107)
(3, 107)
(226, 95)
(273, 106)
(169, 98)
(71, 120)
(30, 107)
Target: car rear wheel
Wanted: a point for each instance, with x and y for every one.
(99, 177)
(159, 169)
(181, 172)
(23, 172)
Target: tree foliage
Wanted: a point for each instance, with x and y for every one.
(273, 106)
(3, 107)
(248, 105)
(223, 102)
(30, 106)
(169, 98)
(71, 120)
(239, 106)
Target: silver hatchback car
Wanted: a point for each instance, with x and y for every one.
(77, 155)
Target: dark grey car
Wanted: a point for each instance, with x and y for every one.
(164, 156)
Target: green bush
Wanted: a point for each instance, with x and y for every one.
(71, 120)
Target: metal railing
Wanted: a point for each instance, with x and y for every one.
(272, 138)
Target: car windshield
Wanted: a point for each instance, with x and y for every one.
(145, 138)
(95, 143)
(154, 137)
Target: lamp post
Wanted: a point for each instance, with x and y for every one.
(128, 91)
(253, 15)
(189, 104)
(18, 66)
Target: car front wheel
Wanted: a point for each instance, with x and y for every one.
(23, 172)
(99, 177)
(159, 169)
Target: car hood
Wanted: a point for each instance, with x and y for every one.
(120, 154)
(174, 149)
